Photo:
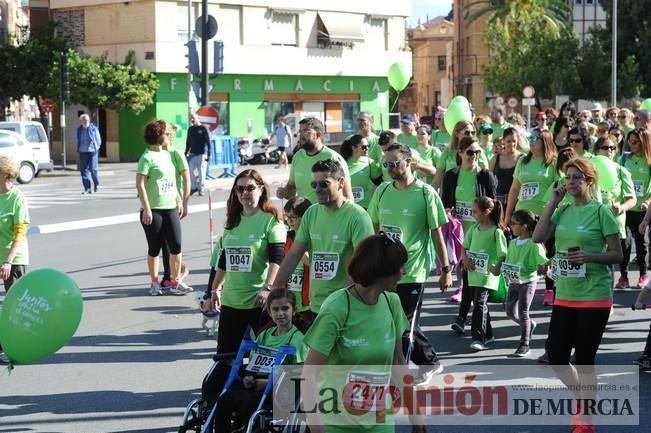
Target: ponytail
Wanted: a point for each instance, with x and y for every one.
(526, 218)
(495, 207)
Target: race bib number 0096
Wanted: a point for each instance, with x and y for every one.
(358, 194)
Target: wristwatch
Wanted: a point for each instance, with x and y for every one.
(7, 262)
(445, 269)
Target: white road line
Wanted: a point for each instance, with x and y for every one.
(44, 229)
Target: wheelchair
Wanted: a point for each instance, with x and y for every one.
(199, 415)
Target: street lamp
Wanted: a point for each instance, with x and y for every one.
(613, 84)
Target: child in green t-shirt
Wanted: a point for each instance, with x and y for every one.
(525, 260)
(243, 398)
(484, 250)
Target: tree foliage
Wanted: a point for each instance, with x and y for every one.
(554, 14)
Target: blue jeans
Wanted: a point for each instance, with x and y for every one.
(197, 167)
(88, 162)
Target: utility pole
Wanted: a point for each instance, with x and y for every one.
(613, 84)
(204, 52)
(65, 95)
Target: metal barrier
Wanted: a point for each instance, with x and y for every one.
(224, 154)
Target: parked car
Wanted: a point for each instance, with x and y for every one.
(35, 135)
(15, 146)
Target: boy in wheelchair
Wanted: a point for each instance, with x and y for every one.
(241, 400)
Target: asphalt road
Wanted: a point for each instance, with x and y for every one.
(136, 360)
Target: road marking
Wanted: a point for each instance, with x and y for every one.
(67, 226)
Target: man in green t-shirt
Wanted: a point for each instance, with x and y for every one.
(312, 150)
(499, 124)
(408, 128)
(411, 212)
(329, 230)
(365, 129)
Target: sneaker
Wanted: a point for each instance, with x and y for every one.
(426, 372)
(200, 192)
(86, 191)
(622, 283)
(548, 298)
(3, 359)
(458, 326)
(642, 281)
(531, 329)
(155, 289)
(477, 346)
(97, 187)
(543, 359)
(489, 341)
(184, 272)
(173, 289)
(456, 297)
(522, 351)
(584, 428)
(644, 361)
(184, 287)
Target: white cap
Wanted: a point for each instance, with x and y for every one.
(596, 107)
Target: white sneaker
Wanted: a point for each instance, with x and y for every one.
(155, 289)
(173, 290)
(181, 286)
(477, 345)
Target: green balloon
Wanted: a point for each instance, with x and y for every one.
(646, 104)
(40, 315)
(398, 76)
(460, 99)
(455, 113)
(607, 172)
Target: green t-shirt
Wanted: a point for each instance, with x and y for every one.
(409, 140)
(293, 337)
(498, 129)
(465, 194)
(586, 227)
(160, 184)
(441, 139)
(216, 252)
(639, 170)
(522, 260)
(330, 237)
(362, 170)
(623, 190)
(488, 150)
(535, 179)
(410, 215)
(247, 257)
(351, 333)
(484, 248)
(180, 165)
(300, 172)
(13, 210)
(431, 155)
(448, 160)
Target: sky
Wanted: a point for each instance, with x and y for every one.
(433, 8)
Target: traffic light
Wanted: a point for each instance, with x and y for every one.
(65, 78)
(193, 57)
(218, 60)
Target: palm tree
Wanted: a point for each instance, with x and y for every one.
(556, 14)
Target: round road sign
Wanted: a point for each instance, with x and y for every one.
(212, 27)
(208, 117)
(512, 101)
(528, 92)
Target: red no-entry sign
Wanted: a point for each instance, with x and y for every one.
(208, 117)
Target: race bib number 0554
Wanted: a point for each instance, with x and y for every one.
(324, 266)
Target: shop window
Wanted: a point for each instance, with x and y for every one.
(350, 110)
(182, 33)
(273, 109)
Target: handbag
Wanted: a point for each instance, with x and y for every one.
(499, 296)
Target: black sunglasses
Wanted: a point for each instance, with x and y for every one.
(248, 188)
(468, 132)
(576, 140)
(473, 152)
(320, 184)
(608, 148)
(363, 147)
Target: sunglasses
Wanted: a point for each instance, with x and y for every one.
(622, 117)
(533, 137)
(608, 148)
(468, 132)
(292, 218)
(576, 140)
(323, 184)
(473, 152)
(392, 164)
(488, 132)
(248, 188)
(363, 147)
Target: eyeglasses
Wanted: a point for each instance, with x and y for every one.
(609, 148)
(533, 137)
(622, 117)
(576, 178)
(392, 164)
(487, 132)
(323, 184)
(363, 147)
(248, 188)
(576, 140)
(292, 218)
(471, 152)
(468, 132)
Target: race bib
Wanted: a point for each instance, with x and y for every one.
(442, 146)
(324, 266)
(511, 272)
(238, 259)
(480, 260)
(394, 232)
(358, 193)
(165, 185)
(565, 268)
(295, 281)
(638, 185)
(529, 190)
(366, 390)
(261, 360)
(464, 211)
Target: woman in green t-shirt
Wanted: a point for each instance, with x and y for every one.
(252, 248)
(429, 153)
(580, 140)
(587, 244)
(361, 325)
(365, 173)
(450, 158)
(161, 207)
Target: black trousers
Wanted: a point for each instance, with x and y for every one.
(232, 325)
(466, 298)
(235, 400)
(647, 348)
(481, 329)
(165, 228)
(633, 221)
(581, 328)
(423, 352)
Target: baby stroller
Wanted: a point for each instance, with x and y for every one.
(199, 415)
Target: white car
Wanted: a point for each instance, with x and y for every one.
(15, 146)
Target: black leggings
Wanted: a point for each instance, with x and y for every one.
(633, 221)
(232, 325)
(581, 328)
(165, 227)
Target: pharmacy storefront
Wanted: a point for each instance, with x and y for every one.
(248, 104)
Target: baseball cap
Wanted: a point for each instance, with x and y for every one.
(485, 129)
(408, 119)
(596, 107)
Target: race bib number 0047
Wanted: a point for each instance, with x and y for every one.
(238, 259)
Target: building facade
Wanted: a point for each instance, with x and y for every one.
(585, 15)
(327, 59)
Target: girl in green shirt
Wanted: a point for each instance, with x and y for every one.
(429, 153)
(365, 173)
